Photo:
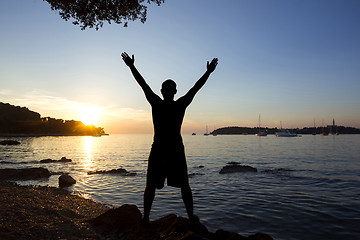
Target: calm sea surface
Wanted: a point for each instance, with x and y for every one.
(313, 191)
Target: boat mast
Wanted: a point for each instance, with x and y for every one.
(259, 123)
(314, 133)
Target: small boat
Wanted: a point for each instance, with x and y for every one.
(260, 133)
(285, 133)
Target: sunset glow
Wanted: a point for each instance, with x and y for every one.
(89, 115)
(293, 61)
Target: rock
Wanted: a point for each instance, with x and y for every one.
(124, 223)
(9, 142)
(120, 171)
(234, 168)
(63, 160)
(66, 180)
(260, 236)
(122, 218)
(48, 160)
(24, 173)
(233, 163)
(221, 234)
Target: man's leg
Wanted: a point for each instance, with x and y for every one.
(149, 195)
(188, 201)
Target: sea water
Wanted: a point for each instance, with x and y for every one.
(306, 187)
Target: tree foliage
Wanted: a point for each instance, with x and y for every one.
(21, 120)
(93, 13)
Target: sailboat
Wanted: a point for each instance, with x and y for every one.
(207, 131)
(314, 133)
(323, 130)
(260, 133)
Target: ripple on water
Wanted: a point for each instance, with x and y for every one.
(318, 198)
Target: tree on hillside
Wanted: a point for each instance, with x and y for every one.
(93, 13)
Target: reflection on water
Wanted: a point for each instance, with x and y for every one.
(88, 147)
(320, 192)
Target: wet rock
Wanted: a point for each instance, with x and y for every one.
(24, 173)
(62, 160)
(66, 180)
(235, 168)
(48, 160)
(120, 171)
(233, 163)
(9, 142)
(124, 223)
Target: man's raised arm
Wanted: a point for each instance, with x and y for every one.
(188, 97)
(150, 95)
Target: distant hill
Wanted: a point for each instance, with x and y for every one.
(318, 130)
(16, 120)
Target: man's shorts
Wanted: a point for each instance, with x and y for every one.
(167, 161)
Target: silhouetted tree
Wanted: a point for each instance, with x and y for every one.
(93, 13)
(21, 120)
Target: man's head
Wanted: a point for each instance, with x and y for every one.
(168, 89)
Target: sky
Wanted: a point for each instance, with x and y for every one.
(292, 61)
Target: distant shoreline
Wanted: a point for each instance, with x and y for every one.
(328, 130)
(48, 135)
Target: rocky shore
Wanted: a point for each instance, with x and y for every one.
(33, 212)
(28, 212)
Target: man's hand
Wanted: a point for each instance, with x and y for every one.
(128, 61)
(211, 66)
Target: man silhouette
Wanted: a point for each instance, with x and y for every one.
(167, 155)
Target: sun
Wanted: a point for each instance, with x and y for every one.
(89, 115)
